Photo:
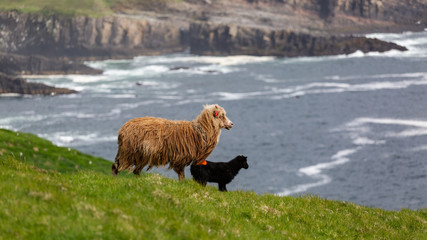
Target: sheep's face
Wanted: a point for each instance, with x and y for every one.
(243, 161)
(220, 114)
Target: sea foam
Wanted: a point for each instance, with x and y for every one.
(316, 172)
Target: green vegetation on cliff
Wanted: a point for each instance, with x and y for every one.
(50, 192)
(93, 8)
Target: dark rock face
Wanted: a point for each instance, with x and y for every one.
(14, 64)
(392, 10)
(207, 39)
(10, 84)
(37, 44)
(53, 44)
(398, 11)
(85, 37)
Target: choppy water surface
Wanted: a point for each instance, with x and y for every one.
(351, 128)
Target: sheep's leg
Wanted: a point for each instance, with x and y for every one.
(180, 172)
(221, 187)
(137, 171)
(200, 181)
(115, 167)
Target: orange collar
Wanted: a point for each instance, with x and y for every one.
(202, 163)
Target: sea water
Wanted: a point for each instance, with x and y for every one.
(348, 127)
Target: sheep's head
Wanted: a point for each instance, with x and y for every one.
(219, 114)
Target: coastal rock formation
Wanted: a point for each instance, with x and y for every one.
(85, 37)
(14, 64)
(17, 85)
(135, 30)
(273, 27)
(208, 39)
(54, 44)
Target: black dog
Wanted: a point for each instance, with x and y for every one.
(219, 172)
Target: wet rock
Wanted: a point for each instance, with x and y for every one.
(15, 64)
(9, 84)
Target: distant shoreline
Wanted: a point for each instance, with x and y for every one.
(53, 38)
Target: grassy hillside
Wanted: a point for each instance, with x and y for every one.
(94, 8)
(28, 148)
(86, 202)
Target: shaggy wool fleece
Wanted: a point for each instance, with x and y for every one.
(150, 141)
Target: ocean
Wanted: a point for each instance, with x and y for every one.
(347, 128)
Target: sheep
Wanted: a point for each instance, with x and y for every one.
(219, 172)
(150, 141)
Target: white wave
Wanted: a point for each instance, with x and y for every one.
(389, 121)
(104, 64)
(128, 106)
(340, 158)
(330, 87)
(10, 95)
(356, 54)
(358, 129)
(20, 119)
(408, 133)
(366, 141)
(405, 39)
(413, 41)
(86, 78)
(413, 75)
(419, 148)
(315, 172)
(322, 180)
(150, 70)
(70, 138)
(170, 97)
(217, 60)
(123, 95)
(73, 114)
(339, 57)
(228, 96)
(215, 69)
(266, 78)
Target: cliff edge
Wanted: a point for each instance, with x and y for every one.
(46, 42)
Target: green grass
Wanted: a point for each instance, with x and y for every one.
(88, 203)
(92, 8)
(39, 152)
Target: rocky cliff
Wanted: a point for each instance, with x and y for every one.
(256, 27)
(52, 44)
(209, 39)
(85, 37)
(18, 85)
(15, 64)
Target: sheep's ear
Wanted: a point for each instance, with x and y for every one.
(216, 106)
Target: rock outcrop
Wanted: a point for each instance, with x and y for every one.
(50, 44)
(208, 39)
(256, 27)
(18, 85)
(85, 37)
(14, 64)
